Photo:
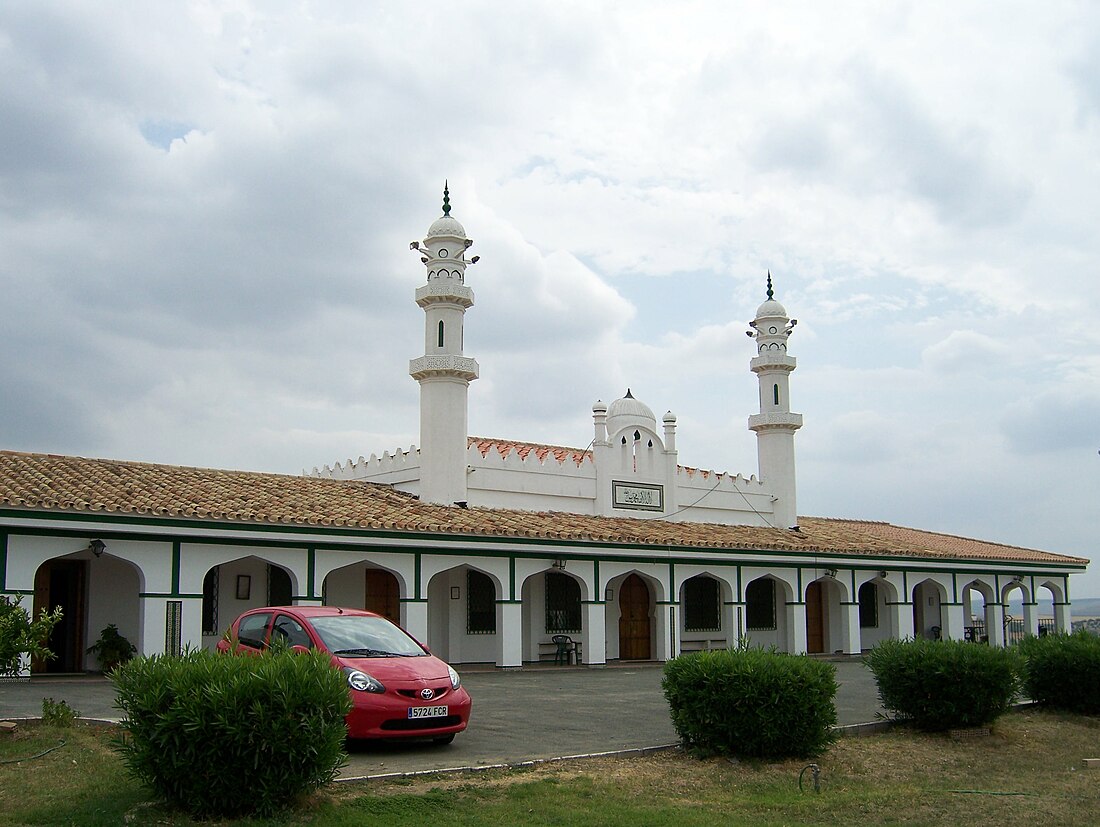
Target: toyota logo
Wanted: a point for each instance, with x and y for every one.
(427, 694)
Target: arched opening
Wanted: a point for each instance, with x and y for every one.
(705, 617)
(93, 593)
(979, 615)
(1019, 613)
(235, 586)
(826, 624)
(635, 619)
(877, 612)
(928, 597)
(552, 605)
(462, 615)
(766, 613)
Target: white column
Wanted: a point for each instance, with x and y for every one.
(733, 621)
(796, 628)
(594, 636)
(1031, 619)
(1063, 622)
(903, 616)
(951, 616)
(853, 643)
(509, 634)
(667, 631)
(996, 629)
(414, 617)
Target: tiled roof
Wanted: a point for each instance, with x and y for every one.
(45, 482)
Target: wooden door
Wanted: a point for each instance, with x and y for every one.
(61, 583)
(815, 627)
(634, 620)
(382, 594)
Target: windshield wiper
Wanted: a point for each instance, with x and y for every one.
(373, 653)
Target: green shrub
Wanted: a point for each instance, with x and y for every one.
(751, 703)
(218, 735)
(21, 635)
(945, 684)
(58, 713)
(1063, 671)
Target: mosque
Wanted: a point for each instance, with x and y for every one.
(489, 550)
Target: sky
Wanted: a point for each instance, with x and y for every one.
(206, 210)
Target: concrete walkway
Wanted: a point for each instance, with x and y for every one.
(521, 715)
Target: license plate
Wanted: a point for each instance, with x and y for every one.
(427, 712)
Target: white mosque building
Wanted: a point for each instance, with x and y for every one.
(487, 549)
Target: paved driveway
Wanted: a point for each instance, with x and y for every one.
(518, 715)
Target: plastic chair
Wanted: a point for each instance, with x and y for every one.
(566, 651)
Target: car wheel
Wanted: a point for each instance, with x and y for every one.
(443, 740)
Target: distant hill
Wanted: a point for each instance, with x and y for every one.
(1082, 607)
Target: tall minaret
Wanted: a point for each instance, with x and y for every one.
(443, 372)
(775, 424)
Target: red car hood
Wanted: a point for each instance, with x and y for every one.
(427, 669)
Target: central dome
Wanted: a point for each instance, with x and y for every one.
(446, 226)
(629, 412)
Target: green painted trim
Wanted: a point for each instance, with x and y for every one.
(417, 572)
(509, 602)
(905, 585)
(954, 588)
(740, 584)
(899, 603)
(311, 570)
(593, 602)
(512, 578)
(733, 603)
(176, 567)
(656, 553)
(175, 594)
(796, 603)
(17, 591)
(854, 589)
(667, 602)
(596, 575)
(671, 578)
(412, 600)
(3, 560)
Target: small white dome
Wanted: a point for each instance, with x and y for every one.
(629, 412)
(770, 309)
(446, 226)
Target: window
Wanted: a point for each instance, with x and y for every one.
(291, 632)
(702, 605)
(481, 604)
(760, 605)
(440, 337)
(775, 394)
(252, 630)
(868, 606)
(563, 603)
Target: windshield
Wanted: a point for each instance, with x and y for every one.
(364, 636)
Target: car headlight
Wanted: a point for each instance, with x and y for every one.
(455, 680)
(362, 682)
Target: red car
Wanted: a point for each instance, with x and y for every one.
(398, 688)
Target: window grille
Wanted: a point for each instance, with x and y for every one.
(702, 605)
(563, 603)
(868, 606)
(760, 605)
(173, 628)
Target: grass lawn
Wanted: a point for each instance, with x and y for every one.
(1030, 771)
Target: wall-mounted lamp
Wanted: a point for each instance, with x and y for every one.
(558, 564)
(830, 572)
(1019, 578)
(97, 547)
(609, 595)
(455, 593)
(883, 574)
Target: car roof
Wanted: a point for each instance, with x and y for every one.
(318, 611)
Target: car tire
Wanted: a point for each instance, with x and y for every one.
(443, 740)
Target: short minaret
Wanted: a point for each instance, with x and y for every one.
(775, 424)
(443, 372)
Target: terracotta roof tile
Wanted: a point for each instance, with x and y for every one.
(74, 484)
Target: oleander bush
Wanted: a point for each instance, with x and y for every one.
(945, 684)
(1063, 671)
(753, 703)
(217, 735)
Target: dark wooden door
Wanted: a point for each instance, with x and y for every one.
(61, 583)
(634, 619)
(382, 594)
(815, 626)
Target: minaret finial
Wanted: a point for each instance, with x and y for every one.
(771, 293)
(446, 199)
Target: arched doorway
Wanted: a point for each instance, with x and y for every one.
(815, 619)
(382, 594)
(635, 628)
(62, 584)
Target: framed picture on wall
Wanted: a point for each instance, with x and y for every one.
(244, 586)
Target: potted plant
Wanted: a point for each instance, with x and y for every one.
(112, 648)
